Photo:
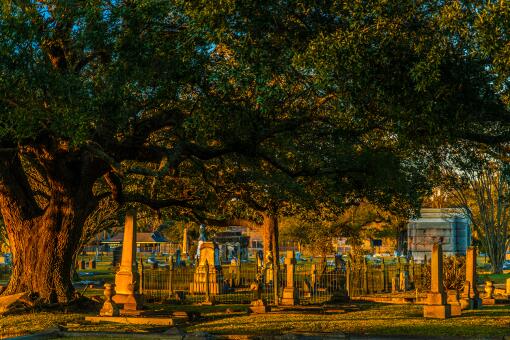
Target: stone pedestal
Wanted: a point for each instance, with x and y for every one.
(259, 307)
(200, 283)
(127, 278)
(488, 302)
(437, 311)
(453, 301)
(208, 275)
(110, 308)
(437, 306)
(290, 296)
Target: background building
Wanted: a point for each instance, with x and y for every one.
(446, 226)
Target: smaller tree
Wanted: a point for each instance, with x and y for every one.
(482, 190)
(315, 236)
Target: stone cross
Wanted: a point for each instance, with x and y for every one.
(290, 292)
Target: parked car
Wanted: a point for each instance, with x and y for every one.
(152, 260)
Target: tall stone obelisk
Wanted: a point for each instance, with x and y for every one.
(127, 279)
(437, 306)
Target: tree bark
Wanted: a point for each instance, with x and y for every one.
(270, 234)
(44, 241)
(496, 253)
(44, 249)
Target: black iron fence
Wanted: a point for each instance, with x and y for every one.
(313, 283)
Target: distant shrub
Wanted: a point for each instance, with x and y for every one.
(454, 272)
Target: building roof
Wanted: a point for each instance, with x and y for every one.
(154, 237)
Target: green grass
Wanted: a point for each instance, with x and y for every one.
(14, 325)
(371, 319)
(359, 319)
(497, 278)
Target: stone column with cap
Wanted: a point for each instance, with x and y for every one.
(185, 243)
(437, 306)
(127, 278)
(290, 297)
(470, 297)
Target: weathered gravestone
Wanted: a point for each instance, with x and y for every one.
(437, 306)
(470, 298)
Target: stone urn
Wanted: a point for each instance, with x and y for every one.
(110, 308)
(109, 291)
(489, 289)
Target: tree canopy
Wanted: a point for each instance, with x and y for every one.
(295, 102)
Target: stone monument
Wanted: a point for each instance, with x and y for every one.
(127, 279)
(290, 297)
(208, 277)
(201, 239)
(437, 306)
(470, 298)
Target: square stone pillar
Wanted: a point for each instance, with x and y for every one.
(127, 279)
(185, 243)
(437, 306)
(290, 296)
(470, 297)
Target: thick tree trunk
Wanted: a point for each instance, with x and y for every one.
(496, 253)
(270, 235)
(44, 248)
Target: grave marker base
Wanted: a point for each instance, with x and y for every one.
(437, 311)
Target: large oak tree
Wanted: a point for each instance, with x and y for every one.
(94, 94)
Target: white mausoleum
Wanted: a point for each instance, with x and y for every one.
(447, 226)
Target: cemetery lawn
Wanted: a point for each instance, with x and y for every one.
(355, 319)
(370, 319)
(497, 278)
